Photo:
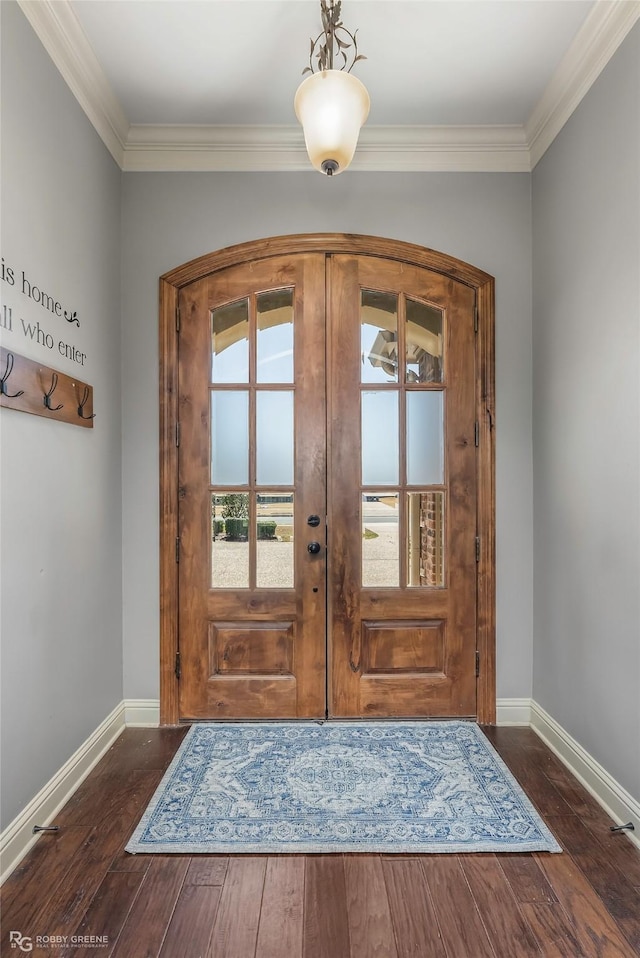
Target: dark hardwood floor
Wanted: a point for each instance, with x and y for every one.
(585, 902)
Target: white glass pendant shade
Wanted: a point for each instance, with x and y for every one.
(331, 106)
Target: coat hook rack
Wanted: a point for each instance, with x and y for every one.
(43, 391)
(8, 369)
(48, 395)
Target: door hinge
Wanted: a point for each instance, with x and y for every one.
(477, 433)
(177, 548)
(177, 319)
(178, 669)
(477, 548)
(178, 434)
(477, 663)
(475, 319)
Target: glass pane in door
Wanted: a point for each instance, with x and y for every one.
(380, 438)
(230, 540)
(380, 539)
(425, 438)
(274, 438)
(423, 337)
(425, 539)
(274, 533)
(229, 438)
(379, 336)
(230, 343)
(275, 336)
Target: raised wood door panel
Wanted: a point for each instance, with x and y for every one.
(404, 645)
(251, 647)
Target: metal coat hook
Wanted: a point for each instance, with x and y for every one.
(8, 369)
(48, 395)
(83, 403)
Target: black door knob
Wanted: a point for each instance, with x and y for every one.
(313, 521)
(314, 548)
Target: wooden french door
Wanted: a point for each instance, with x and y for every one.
(327, 490)
(402, 491)
(252, 470)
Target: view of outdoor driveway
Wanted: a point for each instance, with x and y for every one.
(230, 557)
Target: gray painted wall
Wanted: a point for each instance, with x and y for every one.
(586, 387)
(61, 485)
(171, 218)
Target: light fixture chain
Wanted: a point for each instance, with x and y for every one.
(337, 40)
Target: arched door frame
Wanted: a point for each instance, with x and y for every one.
(170, 285)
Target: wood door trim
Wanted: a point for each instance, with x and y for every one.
(170, 284)
(169, 688)
(327, 243)
(486, 512)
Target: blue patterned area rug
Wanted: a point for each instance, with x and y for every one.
(283, 787)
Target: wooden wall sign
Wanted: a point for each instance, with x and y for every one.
(32, 387)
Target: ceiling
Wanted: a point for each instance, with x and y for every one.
(209, 84)
(240, 61)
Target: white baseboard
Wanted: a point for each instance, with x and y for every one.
(141, 713)
(615, 800)
(145, 713)
(513, 712)
(18, 837)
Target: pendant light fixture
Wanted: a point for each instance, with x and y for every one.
(331, 103)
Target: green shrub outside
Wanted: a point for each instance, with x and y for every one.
(236, 528)
(266, 529)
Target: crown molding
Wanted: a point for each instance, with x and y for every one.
(401, 149)
(62, 36)
(595, 43)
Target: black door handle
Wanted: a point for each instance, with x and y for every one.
(314, 548)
